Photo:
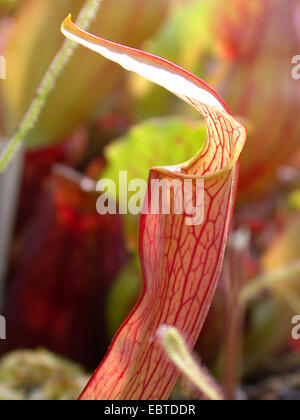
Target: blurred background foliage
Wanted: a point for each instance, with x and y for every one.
(28, 58)
(74, 275)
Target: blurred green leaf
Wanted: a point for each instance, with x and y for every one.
(285, 249)
(86, 81)
(156, 142)
(269, 322)
(294, 200)
(8, 6)
(185, 39)
(123, 294)
(39, 375)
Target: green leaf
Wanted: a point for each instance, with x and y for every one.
(156, 142)
(123, 294)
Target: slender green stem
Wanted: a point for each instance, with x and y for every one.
(178, 353)
(85, 17)
(269, 280)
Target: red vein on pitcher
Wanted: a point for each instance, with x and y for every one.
(181, 264)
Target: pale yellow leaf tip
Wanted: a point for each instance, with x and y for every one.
(67, 23)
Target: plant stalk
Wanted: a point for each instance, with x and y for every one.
(234, 280)
(85, 17)
(267, 281)
(9, 188)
